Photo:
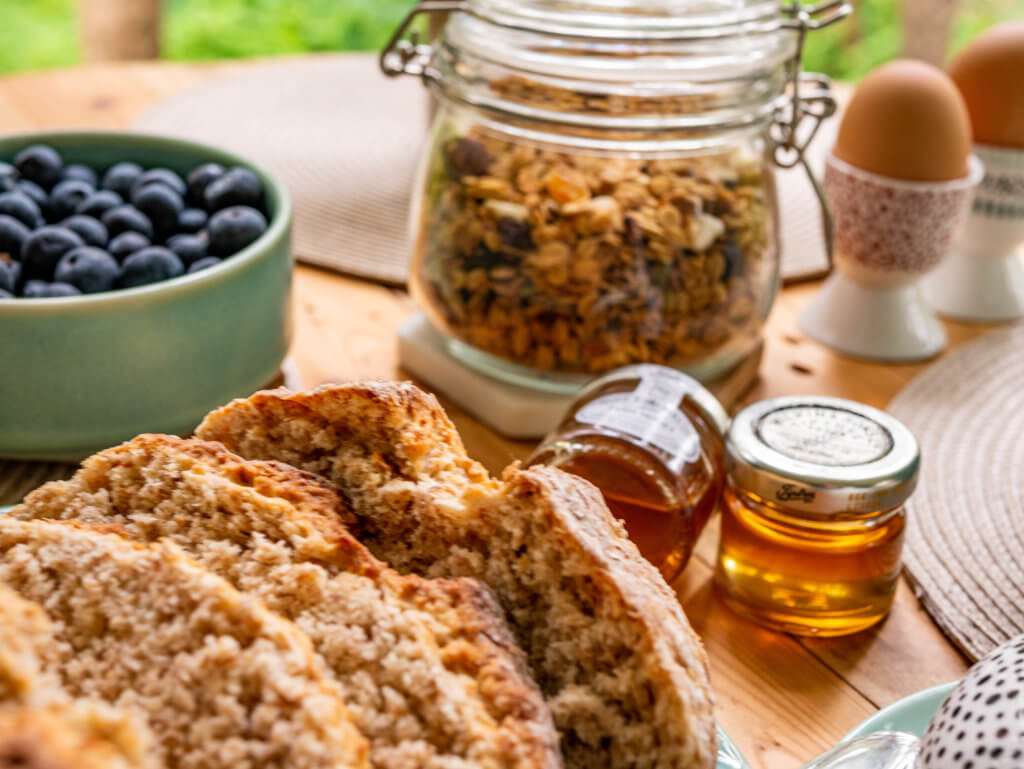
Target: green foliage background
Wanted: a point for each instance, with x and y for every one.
(42, 33)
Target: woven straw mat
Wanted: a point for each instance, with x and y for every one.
(346, 140)
(964, 552)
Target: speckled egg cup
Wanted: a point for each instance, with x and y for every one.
(983, 279)
(889, 233)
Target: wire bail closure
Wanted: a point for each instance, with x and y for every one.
(807, 102)
(807, 107)
(408, 56)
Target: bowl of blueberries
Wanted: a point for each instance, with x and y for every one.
(143, 281)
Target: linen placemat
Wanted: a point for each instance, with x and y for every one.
(346, 140)
(342, 137)
(964, 551)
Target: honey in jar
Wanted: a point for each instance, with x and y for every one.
(650, 438)
(812, 514)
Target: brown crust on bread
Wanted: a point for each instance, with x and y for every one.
(237, 516)
(576, 591)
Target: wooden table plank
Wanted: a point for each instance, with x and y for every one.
(782, 699)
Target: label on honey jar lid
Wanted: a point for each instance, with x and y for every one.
(824, 435)
(650, 413)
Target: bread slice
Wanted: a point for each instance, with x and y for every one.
(40, 726)
(219, 680)
(624, 674)
(428, 667)
(79, 735)
(25, 649)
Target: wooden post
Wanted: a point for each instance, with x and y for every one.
(926, 29)
(114, 30)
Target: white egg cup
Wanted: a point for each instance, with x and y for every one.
(888, 234)
(983, 279)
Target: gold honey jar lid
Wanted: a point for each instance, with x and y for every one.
(822, 455)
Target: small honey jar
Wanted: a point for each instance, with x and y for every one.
(812, 513)
(650, 438)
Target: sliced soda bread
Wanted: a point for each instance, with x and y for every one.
(624, 674)
(219, 680)
(26, 646)
(77, 735)
(428, 668)
(41, 727)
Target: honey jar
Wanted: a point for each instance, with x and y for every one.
(650, 438)
(813, 513)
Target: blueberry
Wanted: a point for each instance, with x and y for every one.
(8, 177)
(7, 276)
(234, 228)
(203, 264)
(189, 248)
(39, 164)
(99, 203)
(126, 244)
(6, 294)
(12, 235)
(150, 265)
(191, 220)
(66, 197)
(199, 179)
(125, 218)
(164, 176)
(161, 204)
(34, 191)
(237, 187)
(120, 177)
(44, 248)
(21, 207)
(88, 269)
(40, 289)
(88, 229)
(80, 173)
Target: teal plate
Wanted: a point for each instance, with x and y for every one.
(911, 714)
(729, 756)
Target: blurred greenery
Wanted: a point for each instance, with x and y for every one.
(42, 33)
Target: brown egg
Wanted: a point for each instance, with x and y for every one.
(906, 120)
(990, 75)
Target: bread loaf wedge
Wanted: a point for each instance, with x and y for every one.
(622, 671)
(428, 667)
(219, 680)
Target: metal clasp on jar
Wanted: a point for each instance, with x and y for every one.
(408, 56)
(807, 102)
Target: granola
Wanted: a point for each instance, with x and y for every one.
(579, 263)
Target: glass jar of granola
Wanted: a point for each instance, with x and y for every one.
(597, 188)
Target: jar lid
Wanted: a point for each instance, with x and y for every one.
(822, 455)
(646, 20)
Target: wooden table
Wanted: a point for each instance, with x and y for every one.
(783, 699)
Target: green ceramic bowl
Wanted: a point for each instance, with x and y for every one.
(83, 373)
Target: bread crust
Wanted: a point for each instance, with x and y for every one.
(424, 506)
